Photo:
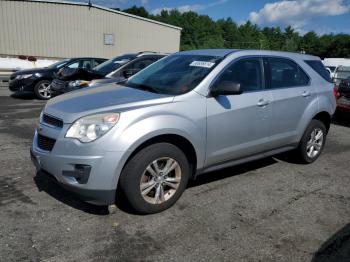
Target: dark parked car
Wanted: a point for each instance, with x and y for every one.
(38, 80)
(343, 95)
(114, 70)
(128, 69)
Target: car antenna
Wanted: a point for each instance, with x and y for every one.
(89, 4)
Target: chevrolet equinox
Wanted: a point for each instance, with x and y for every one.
(187, 114)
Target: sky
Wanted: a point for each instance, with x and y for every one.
(321, 16)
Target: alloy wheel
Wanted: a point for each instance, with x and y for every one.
(315, 143)
(160, 180)
(44, 90)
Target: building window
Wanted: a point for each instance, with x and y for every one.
(108, 39)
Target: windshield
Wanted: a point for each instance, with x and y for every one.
(175, 74)
(59, 64)
(113, 64)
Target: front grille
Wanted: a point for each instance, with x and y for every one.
(53, 121)
(45, 143)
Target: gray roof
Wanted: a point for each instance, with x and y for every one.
(224, 52)
(105, 9)
(209, 52)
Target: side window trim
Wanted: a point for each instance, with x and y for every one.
(268, 78)
(262, 81)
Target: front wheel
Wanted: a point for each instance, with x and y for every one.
(42, 90)
(155, 178)
(312, 142)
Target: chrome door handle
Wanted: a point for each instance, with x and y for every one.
(263, 102)
(306, 94)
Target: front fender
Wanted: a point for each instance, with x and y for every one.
(143, 130)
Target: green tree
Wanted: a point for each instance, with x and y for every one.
(200, 31)
(229, 32)
(310, 43)
(139, 11)
(250, 37)
(274, 37)
(292, 39)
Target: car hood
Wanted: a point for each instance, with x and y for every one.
(74, 105)
(33, 71)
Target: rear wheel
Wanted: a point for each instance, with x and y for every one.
(155, 178)
(312, 142)
(42, 89)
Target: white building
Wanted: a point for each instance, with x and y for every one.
(58, 29)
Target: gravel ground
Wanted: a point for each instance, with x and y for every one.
(267, 210)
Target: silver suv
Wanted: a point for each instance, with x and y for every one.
(187, 114)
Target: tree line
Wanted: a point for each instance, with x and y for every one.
(200, 31)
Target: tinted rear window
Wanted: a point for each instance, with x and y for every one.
(320, 69)
(284, 73)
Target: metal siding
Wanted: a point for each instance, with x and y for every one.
(63, 30)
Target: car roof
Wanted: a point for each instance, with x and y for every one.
(73, 58)
(151, 54)
(208, 52)
(225, 52)
(138, 55)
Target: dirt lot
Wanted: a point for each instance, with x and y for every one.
(268, 210)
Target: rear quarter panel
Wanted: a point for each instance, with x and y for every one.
(324, 102)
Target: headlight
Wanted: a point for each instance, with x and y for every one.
(89, 128)
(78, 83)
(23, 76)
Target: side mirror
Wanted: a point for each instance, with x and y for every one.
(227, 88)
(127, 73)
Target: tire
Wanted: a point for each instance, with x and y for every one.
(42, 89)
(305, 153)
(135, 175)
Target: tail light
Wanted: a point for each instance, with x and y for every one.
(335, 92)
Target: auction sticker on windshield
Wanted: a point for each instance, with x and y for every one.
(202, 64)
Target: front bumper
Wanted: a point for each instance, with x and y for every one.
(64, 161)
(22, 85)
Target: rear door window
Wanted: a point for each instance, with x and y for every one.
(81, 64)
(96, 62)
(320, 69)
(86, 64)
(284, 73)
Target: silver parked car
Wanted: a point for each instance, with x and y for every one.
(187, 114)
